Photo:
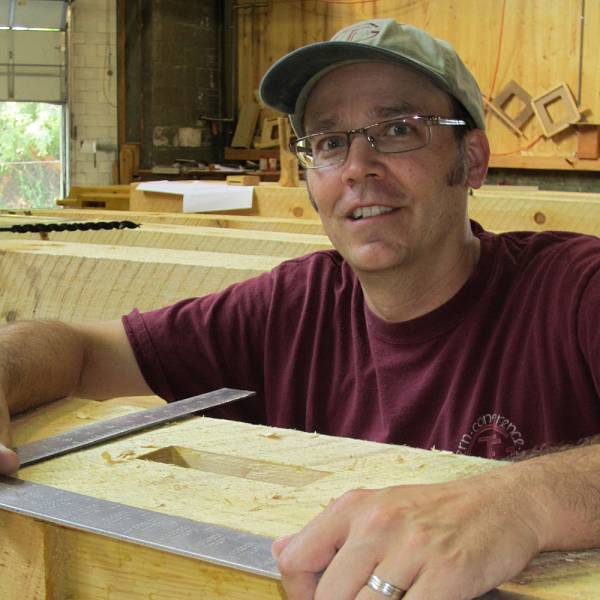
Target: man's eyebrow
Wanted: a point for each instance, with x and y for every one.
(380, 112)
(324, 124)
(404, 108)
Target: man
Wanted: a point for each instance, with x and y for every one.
(421, 328)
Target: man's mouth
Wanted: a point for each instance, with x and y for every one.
(364, 212)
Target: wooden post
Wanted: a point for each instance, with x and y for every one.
(287, 160)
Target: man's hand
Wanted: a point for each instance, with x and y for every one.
(9, 462)
(451, 541)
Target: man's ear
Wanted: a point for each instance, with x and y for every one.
(477, 149)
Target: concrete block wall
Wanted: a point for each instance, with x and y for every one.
(93, 92)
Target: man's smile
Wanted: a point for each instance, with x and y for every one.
(365, 212)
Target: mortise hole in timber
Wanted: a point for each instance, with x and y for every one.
(234, 466)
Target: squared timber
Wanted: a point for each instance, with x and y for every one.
(219, 490)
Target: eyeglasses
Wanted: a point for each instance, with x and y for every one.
(400, 134)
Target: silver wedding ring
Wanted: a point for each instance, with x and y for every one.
(385, 588)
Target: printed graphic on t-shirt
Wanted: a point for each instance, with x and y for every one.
(492, 436)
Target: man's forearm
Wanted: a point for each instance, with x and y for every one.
(39, 361)
(563, 488)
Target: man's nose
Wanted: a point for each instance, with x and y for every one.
(363, 160)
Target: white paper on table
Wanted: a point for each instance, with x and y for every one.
(204, 197)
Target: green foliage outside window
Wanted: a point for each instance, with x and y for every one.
(29, 154)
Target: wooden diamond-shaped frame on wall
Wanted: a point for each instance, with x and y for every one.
(570, 114)
(513, 90)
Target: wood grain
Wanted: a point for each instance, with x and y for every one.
(535, 42)
(239, 481)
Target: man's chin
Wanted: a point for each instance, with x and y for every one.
(374, 261)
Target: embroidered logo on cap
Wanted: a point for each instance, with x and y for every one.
(363, 32)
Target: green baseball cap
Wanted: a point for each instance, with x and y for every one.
(288, 83)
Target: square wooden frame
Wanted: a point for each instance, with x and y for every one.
(540, 106)
(512, 88)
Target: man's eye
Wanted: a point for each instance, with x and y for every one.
(330, 143)
(398, 129)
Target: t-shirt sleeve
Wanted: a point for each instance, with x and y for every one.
(588, 326)
(206, 343)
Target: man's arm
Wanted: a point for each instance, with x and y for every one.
(42, 361)
(451, 541)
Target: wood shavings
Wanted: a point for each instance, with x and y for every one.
(415, 466)
(149, 446)
(83, 416)
(108, 458)
(400, 459)
(274, 435)
(121, 458)
(126, 454)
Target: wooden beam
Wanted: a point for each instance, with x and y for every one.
(498, 212)
(256, 479)
(181, 237)
(562, 163)
(227, 221)
(270, 200)
(71, 281)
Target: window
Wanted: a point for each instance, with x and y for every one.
(33, 95)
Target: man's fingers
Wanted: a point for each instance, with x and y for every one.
(392, 577)
(280, 544)
(9, 461)
(5, 432)
(307, 554)
(348, 572)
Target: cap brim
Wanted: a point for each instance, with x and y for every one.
(283, 82)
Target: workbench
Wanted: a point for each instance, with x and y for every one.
(255, 479)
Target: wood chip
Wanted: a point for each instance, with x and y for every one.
(121, 458)
(274, 435)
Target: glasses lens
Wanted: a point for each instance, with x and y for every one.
(322, 149)
(304, 153)
(399, 135)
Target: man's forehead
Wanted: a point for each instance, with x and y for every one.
(386, 90)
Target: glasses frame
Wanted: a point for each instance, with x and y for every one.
(429, 120)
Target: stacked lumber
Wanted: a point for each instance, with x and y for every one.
(181, 237)
(110, 197)
(255, 479)
(78, 282)
(505, 209)
(269, 200)
(222, 221)
(102, 274)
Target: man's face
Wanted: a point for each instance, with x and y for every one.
(428, 205)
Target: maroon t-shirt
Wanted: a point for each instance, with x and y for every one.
(511, 362)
